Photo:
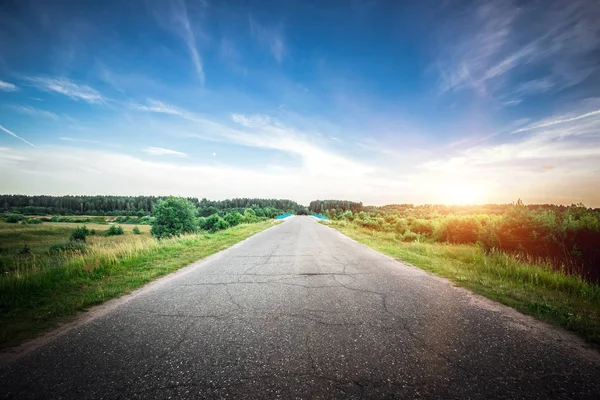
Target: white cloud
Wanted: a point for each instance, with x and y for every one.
(159, 151)
(70, 139)
(11, 133)
(559, 121)
(69, 89)
(34, 112)
(7, 87)
(250, 121)
(156, 106)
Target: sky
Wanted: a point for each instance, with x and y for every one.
(376, 101)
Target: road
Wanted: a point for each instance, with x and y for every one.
(301, 311)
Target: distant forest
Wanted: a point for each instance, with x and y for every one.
(142, 205)
(137, 205)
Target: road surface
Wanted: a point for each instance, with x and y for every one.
(301, 311)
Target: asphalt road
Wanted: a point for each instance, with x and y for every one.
(301, 311)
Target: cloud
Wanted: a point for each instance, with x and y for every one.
(7, 87)
(489, 45)
(173, 15)
(34, 112)
(159, 107)
(269, 37)
(250, 121)
(159, 151)
(558, 121)
(16, 136)
(70, 89)
(70, 139)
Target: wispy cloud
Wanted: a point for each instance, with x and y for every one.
(159, 107)
(570, 139)
(173, 15)
(159, 151)
(70, 89)
(7, 87)
(271, 38)
(250, 121)
(493, 42)
(70, 139)
(558, 121)
(11, 133)
(34, 112)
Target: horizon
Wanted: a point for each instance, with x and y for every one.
(200, 198)
(383, 103)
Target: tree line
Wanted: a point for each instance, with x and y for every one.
(138, 205)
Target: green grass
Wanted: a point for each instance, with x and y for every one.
(38, 290)
(563, 300)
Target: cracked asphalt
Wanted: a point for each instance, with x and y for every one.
(301, 311)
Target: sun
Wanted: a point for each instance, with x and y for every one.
(462, 194)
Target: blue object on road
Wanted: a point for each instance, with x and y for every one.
(284, 216)
(320, 217)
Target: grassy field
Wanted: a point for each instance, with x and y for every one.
(39, 289)
(563, 300)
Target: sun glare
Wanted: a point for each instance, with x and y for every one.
(462, 194)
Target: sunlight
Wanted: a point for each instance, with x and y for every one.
(461, 194)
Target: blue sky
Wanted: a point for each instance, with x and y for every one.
(374, 101)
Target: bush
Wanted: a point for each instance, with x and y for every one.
(409, 236)
(136, 230)
(233, 219)
(32, 221)
(422, 227)
(79, 234)
(401, 227)
(114, 230)
(458, 230)
(173, 216)
(249, 215)
(69, 247)
(13, 218)
(214, 223)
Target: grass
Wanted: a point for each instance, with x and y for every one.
(39, 290)
(535, 289)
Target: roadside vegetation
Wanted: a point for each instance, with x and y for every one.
(543, 260)
(51, 270)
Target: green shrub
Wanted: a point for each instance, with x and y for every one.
(69, 247)
(173, 216)
(136, 230)
(13, 218)
(409, 236)
(249, 215)
(220, 225)
(423, 227)
(458, 230)
(32, 221)
(233, 219)
(114, 230)
(214, 223)
(401, 226)
(79, 234)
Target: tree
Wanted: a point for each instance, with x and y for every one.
(173, 216)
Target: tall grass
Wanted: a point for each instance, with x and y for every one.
(528, 284)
